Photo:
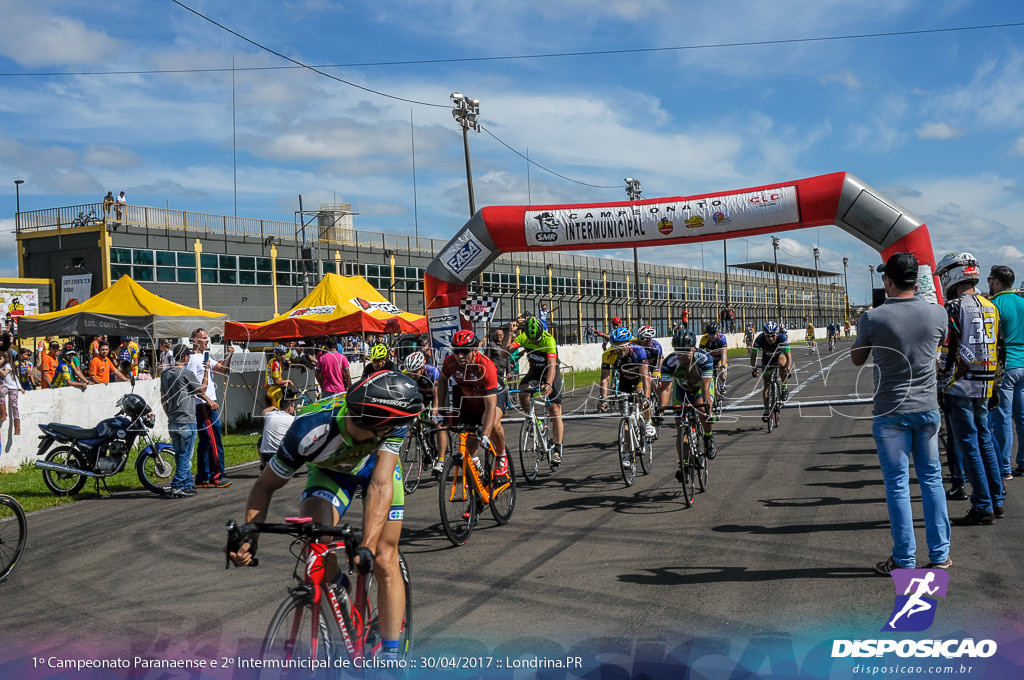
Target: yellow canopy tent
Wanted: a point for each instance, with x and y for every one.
(338, 305)
(125, 308)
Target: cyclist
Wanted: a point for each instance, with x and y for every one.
(748, 337)
(716, 344)
(809, 335)
(542, 354)
(477, 396)
(380, 360)
(276, 383)
(630, 362)
(833, 334)
(692, 370)
(426, 376)
(347, 442)
(655, 358)
(774, 344)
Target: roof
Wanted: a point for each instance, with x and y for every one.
(784, 269)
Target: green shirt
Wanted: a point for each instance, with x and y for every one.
(1011, 326)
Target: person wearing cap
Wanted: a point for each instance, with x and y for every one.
(65, 374)
(48, 364)
(902, 336)
(616, 323)
(1009, 414)
(276, 382)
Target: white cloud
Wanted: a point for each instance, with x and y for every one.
(31, 37)
(939, 131)
(1018, 147)
(845, 78)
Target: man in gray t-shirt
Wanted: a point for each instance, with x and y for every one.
(902, 337)
(178, 388)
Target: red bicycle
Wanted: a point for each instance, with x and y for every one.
(319, 624)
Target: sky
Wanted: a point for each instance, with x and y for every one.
(687, 96)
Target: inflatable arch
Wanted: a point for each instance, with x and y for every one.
(835, 199)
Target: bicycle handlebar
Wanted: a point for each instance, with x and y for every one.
(302, 528)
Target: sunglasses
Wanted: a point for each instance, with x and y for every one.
(462, 352)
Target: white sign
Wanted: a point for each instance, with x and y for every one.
(382, 306)
(925, 284)
(308, 311)
(464, 254)
(19, 301)
(652, 222)
(443, 323)
(74, 290)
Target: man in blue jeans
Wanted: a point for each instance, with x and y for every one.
(178, 387)
(210, 451)
(1009, 414)
(902, 337)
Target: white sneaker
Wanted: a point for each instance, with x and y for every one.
(439, 466)
(650, 431)
(626, 463)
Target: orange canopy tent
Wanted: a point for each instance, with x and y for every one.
(338, 305)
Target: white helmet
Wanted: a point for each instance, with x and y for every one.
(646, 332)
(957, 268)
(415, 362)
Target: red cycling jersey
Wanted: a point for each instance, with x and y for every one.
(477, 379)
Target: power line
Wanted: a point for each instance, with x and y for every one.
(536, 164)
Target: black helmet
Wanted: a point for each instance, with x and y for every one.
(134, 405)
(683, 339)
(384, 400)
(712, 328)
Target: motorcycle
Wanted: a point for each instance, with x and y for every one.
(103, 451)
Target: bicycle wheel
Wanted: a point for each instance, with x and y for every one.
(627, 456)
(685, 472)
(370, 634)
(65, 483)
(13, 534)
(645, 450)
(529, 450)
(457, 499)
(155, 466)
(503, 492)
(412, 462)
(700, 461)
(289, 638)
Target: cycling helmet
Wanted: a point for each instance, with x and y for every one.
(683, 339)
(280, 349)
(134, 405)
(770, 327)
(620, 336)
(616, 319)
(646, 333)
(378, 353)
(712, 328)
(534, 329)
(957, 268)
(384, 400)
(69, 353)
(415, 362)
(464, 338)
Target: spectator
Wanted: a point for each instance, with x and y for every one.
(276, 422)
(9, 390)
(48, 364)
(41, 348)
(178, 390)
(66, 373)
(210, 450)
(76, 364)
(101, 367)
(166, 356)
(108, 203)
(23, 367)
(616, 323)
(120, 203)
(332, 372)
(1009, 415)
(968, 374)
(902, 336)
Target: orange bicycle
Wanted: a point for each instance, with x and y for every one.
(470, 483)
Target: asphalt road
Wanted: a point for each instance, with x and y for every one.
(770, 565)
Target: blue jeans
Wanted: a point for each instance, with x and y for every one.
(1007, 418)
(183, 439)
(210, 453)
(973, 441)
(899, 437)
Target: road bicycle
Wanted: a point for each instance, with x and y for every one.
(535, 445)
(693, 463)
(470, 483)
(634, 446)
(308, 396)
(318, 623)
(774, 397)
(419, 451)
(13, 534)
(719, 401)
(831, 343)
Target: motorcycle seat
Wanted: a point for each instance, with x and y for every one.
(73, 431)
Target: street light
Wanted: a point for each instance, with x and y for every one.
(467, 112)
(871, 289)
(17, 208)
(817, 295)
(778, 302)
(846, 292)
(633, 191)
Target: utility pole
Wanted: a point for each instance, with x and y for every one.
(846, 292)
(778, 300)
(817, 294)
(633, 191)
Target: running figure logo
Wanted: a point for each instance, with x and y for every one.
(916, 590)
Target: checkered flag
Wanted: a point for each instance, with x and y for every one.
(480, 309)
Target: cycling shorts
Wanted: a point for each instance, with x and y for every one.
(275, 393)
(683, 395)
(338, 488)
(471, 409)
(531, 381)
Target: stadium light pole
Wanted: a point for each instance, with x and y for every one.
(846, 292)
(467, 113)
(778, 301)
(817, 294)
(17, 204)
(633, 191)
(871, 287)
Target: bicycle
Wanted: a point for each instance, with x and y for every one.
(308, 396)
(301, 633)
(774, 397)
(719, 401)
(13, 534)
(468, 484)
(831, 343)
(534, 444)
(693, 463)
(633, 445)
(419, 451)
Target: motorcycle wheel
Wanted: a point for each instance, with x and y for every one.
(155, 467)
(65, 483)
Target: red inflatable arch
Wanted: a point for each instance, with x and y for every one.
(835, 199)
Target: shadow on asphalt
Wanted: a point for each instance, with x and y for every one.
(801, 528)
(690, 575)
